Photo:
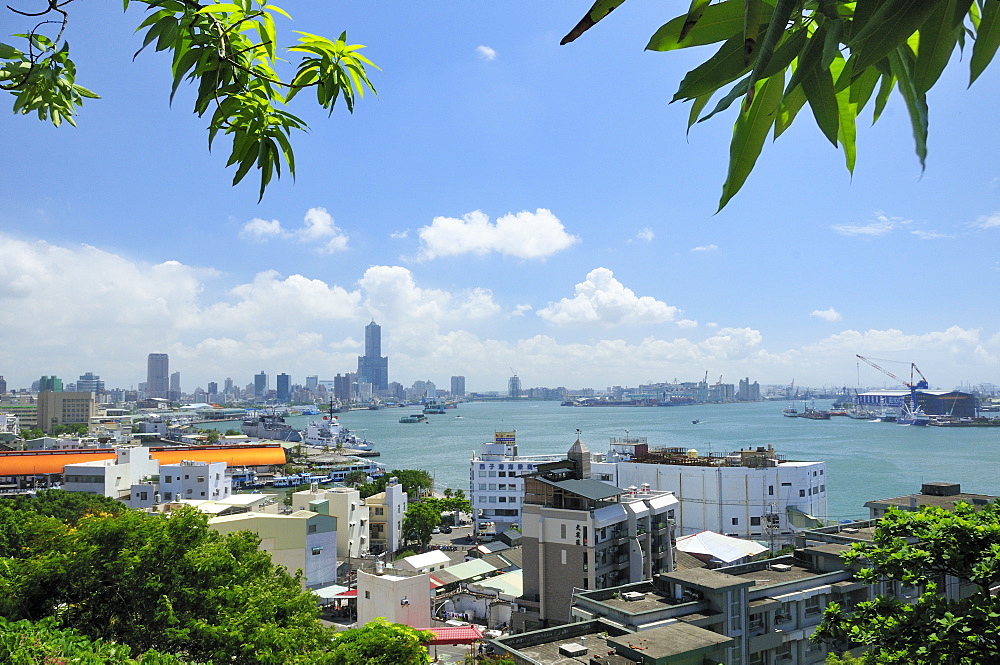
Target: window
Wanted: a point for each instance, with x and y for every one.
(503, 474)
(190, 491)
(512, 499)
(822, 488)
(168, 496)
(493, 499)
(562, 534)
(311, 528)
(168, 479)
(503, 499)
(493, 486)
(201, 479)
(482, 486)
(482, 474)
(187, 477)
(563, 556)
(813, 606)
(770, 490)
(379, 510)
(786, 484)
(736, 521)
(368, 595)
(754, 521)
(143, 496)
(493, 474)
(317, 550)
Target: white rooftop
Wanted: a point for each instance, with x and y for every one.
(431, 558)
(723, 548)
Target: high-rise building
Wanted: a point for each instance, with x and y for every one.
(53, 383)
(3, 385)
(260, 385)
(175, 385)
(90, 383)
(157, 375)
(373, 367)
(213, 388)
(59, 408)
(312, 383)
(342, 386)
(228, 385)
(458, 386)
(284, 388)
(514, 387)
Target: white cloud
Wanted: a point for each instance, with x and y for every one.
(705, 248)
(602, 299)
(400, 235)
(827, 314)
(525, 235)
(521, 310)
(259, 230)
(318, 229)
(645, 234)
(989, 221)
(880, 226)
(687, 323)
(486, 53)
(930, 235)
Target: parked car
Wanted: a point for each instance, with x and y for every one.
(436, 530)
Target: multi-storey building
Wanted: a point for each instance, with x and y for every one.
(754, 493)
(198, 481)
(157, 375)
(284, 388)
(53, 383)
(457, 386)
(351, 511)
(90, 383)
(386, 511)
(59, 408)
(260, 386)
(580, 533)
(496, 483)
(113, 477)
(373, 367)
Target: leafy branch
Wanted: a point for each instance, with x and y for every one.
(228, 50)
(829, 54)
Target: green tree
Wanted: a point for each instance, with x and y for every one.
(381, 643)
(156, 582)
(213, 436)
(65, 506)
(31, 433)
(229, 51)
(232, 432)
(837, 56)
(920, 549)
(419, 521)
(30, 643)
(356, 478)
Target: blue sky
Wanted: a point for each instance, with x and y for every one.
(504, 203)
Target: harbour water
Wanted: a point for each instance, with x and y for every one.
(864, 460)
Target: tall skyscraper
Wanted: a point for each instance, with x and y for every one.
(90, 383)
(312, 383)
(284, 388)
(3, 385)
(260, 385)
(373, 367)
(514, 386)
(175, 383)
(228, 385)
(458, 386)
(213, 388)
(53, 383)
(157, 375)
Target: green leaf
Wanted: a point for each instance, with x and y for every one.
(863, 87)
(775, 30)
(598, 11)
(749, 134)
(938, 36)
(811, 56)
(818, 86)
(831, 43)
(221, 8)
(695, 12)
(751, 28)
(724, 67)
(888, 82)
(848, 109)
(901, 61)
(892, 23)
(734, 93)
(987, 40)
(697, 105)
(719, 22)
(790, 106)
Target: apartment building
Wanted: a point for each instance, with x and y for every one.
(580, 533)
(59, 408)
(386, 511)
(752, 493)
(351, 511)
(113, 477)
(496, 483)
(189, 479)
(760, 613)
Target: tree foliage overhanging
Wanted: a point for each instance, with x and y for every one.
(837, 56)
(156, 589)
(923, 549)
(229, 50)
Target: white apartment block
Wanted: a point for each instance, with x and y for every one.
(198, 481)
(386, 511)
(351, 511)
(113, 477)
(753, 493)
(496, 487)
(398, 597)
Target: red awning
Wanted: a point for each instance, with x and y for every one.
(435, 582)
(350, 593)
(455, 635)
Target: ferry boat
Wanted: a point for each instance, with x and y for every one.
(790, 412)
(433, 408)
(413, 418)
(330, 433)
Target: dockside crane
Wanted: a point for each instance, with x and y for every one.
(913, 386)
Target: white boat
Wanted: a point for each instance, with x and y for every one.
(330, 433)
(790, 412)
(913, 416)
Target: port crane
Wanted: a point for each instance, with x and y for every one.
(913, 386)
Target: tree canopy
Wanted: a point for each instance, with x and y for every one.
(837, 56)
(420, 520)
(381, 643)
(228, 50)
(922, 549)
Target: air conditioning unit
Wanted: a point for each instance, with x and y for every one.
(633, 595)
(781, 567)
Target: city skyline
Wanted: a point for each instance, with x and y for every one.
(494, 209)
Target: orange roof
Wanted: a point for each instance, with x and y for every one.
(25, 463)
